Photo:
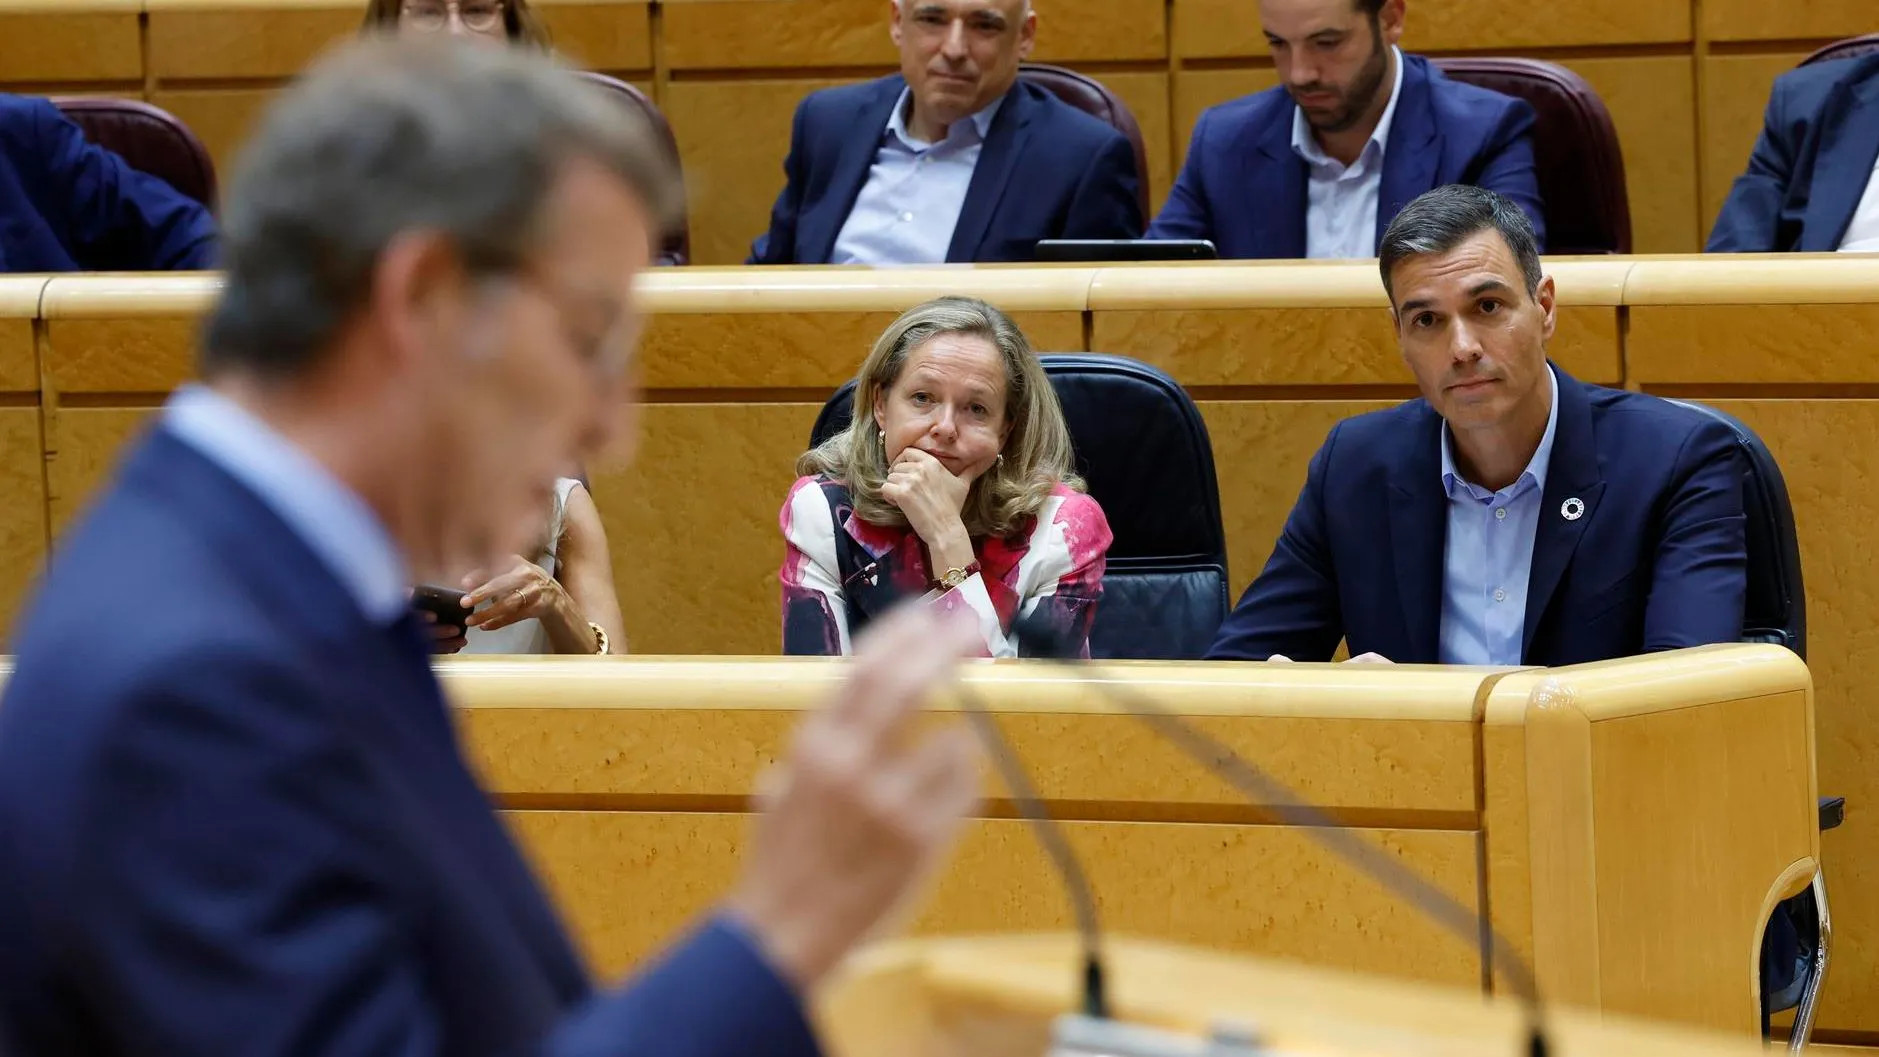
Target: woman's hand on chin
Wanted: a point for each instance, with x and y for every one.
(931, 497)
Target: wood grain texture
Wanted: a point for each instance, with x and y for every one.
(1758, 20)
(73, 45)
(1196, 90)
(1147, 96)
(23, 513)
(627, 882)
(187, 43)
(223, 118)
(614, 36)
(19, 363)
(1740, 344)
(1652, 100)
(1315, 346)
(150, 354)
(1735, 96)
(1829, 453)
(733, 137)
(1224, 29)
(83, 445)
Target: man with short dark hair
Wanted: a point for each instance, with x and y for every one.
(1511, 515)
(69, 205)
(1318, 166)
(242, 823)
(954, 159)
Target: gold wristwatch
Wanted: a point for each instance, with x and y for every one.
(954, 577)
(600, 637)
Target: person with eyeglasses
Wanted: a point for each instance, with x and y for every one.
(494, 21)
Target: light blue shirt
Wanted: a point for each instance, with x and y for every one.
(907, 210)
(329, 517)
(1489, 555)
(1341, 200)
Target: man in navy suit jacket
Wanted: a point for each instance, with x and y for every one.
(1318, 166)
(1812, 183)
(953, 159)
(238, 820)
(68, 205)
(1512, 515)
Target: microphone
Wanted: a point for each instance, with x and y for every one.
(1038, 638)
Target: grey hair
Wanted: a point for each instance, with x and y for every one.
(1440, 220)
(391, 136)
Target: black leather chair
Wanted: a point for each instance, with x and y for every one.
(1575, 151)
(1143, 450)
(1095, 99)
(677, 247)
(1850, 48)
(148, 138)
(1795, 947)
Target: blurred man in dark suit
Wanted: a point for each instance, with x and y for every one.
(69, 205)
(239, 822)
(1511, 515)
(1812, 183)
(953, 158)
(1318, 166)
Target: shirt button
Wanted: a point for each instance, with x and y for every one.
(906, 218)
(1500, 595)
(1500, 513)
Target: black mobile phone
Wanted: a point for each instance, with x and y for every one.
(1122, 250)
(445, 603)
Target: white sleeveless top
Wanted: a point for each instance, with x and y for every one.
(527, 636)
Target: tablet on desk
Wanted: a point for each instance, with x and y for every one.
(1126, 250)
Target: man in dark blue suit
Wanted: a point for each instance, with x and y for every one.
(1512, 515)
(239, 821)
(951, 160)
(68, 205)
(1318, 166)
(1812, 183)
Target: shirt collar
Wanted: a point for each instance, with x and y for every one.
(1305, 145)
(1536, 466)
(981, 122)
(330, 518)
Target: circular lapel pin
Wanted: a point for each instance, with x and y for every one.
(1572, 509)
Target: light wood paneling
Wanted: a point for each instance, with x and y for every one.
(1073, 31)
(1769, 344)
(1147, 97)
(1760, 20)
(1735, 96)
(223, 118)
(82, 447)
(189, 41)
(19, 307)
(713, 585)
(1196, 90)
(733, 137)
(100, 44)
(23, 514)
(602, 36)
(1653, 104)
(151, 354)
(1231, 28)
(629, 881)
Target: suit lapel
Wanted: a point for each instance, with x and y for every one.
(1572, 474)
(1418, 531)
(861, 142)
(1843, 164)
(998, 158)
(1411, 153)
(1273, 182)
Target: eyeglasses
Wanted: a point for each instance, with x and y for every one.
(479, 16)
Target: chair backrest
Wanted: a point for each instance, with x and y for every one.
(1575, 148)
(1850, 48)
(1142, 449)
(1776, 607)
(149, 139)
(677, 247)
(1095, 99)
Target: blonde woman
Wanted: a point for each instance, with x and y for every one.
(955, 483)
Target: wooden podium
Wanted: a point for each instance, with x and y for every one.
(999, 996)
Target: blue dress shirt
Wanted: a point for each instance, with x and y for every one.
(1341, 200)
(907, 210)
(329, 517)
(1489, 555)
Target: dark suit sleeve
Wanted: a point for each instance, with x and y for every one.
(249, 899)
(1699, 581)
(1185, 215)
(112, 217)
(1107, 203)
(1751, 216)
(1293, 607)
(778, 245)
(1508, 167)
